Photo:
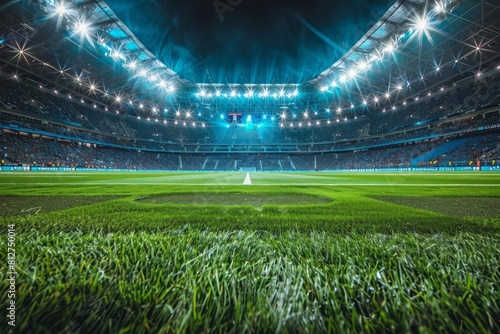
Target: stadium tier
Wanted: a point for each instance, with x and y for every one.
(51, 124)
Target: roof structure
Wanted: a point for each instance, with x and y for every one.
(84, 49)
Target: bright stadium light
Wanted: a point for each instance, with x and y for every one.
(61, 8)
(422, 23)
(82, 28)
(266, 92)
(363, 66)
(233, 93)
(343, 79)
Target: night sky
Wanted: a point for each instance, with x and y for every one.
(257, 41)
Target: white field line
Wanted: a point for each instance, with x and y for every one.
(263, 184)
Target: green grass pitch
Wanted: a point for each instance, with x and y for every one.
(292, 252)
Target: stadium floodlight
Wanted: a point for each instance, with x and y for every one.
(233, 93)
(343, 79)
(375, 99)
(283, 115)
(388, 95)
(118, 99)
(363, 66)
(143, 73)
(250, 93)
(61, 8)
(203, 92)
(82, 28)
(352, 73)
(295, 92)
(282, 92)
(171, 88)
(364, 102)
(399, 87)
(306, 114)
(141, 106)
(92, 87)
(132, 65)
(266, 92)
(162, 84)
(339, 110)
(334, 84)
(217, 92)
(116, 55)
(389, 48)
(324, 88)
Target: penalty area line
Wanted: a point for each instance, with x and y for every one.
(247, 181)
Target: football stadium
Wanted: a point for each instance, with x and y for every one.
(236, 166)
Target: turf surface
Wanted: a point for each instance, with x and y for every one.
(379, 256)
